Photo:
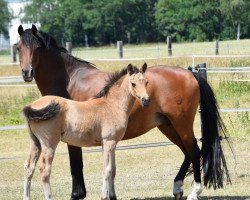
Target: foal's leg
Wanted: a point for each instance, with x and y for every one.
(76, 167)
(169, 131)
(109, 170)
(45, 170)
(30, 165)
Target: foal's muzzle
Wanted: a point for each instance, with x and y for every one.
(28, 74)
(145, 101)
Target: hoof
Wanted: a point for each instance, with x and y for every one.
(178, 196)
(109, 198)
(192, 198)
(80, 197)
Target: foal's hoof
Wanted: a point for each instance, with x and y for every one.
(178, 196)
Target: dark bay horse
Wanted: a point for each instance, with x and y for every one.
(175, 95)
(98, 121)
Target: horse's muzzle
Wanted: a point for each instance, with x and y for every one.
(145, 101)
(28, 75)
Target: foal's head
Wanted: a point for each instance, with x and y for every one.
(138, 83)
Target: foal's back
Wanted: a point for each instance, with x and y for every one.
(77, 123)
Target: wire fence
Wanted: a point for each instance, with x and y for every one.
(155, 51)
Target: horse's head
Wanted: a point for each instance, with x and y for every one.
(138, 83)
(27, 47)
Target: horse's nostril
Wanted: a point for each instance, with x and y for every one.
(145, 101)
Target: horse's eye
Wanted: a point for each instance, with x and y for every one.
(133, 84)
(17, 49)
(146, 82)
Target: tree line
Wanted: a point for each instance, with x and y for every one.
(101, 22)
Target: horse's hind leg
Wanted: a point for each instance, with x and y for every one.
(30, 165)
(45, 170)
(169, 131)
(193, 152)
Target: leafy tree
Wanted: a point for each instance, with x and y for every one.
(236, 14)
(189, 19)
(62, 19)
(108, 21)
(5, 18)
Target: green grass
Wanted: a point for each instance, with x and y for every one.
(12, 103)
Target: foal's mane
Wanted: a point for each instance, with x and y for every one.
(112, 79)
(44, 40)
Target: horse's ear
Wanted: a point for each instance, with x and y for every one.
(34, 29)
(144, 67)
(130, 69)
(20, 30)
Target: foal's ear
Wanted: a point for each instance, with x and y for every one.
(130, 69)
(20, 30)
(34, 29)
(144, 67)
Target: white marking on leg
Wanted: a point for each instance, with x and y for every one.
(197, 189)
(178, 187)
(47, 191)
(108, 189)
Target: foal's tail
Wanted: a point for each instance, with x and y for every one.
(45, 113)
(213, 130)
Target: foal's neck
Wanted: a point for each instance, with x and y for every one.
(120, 95)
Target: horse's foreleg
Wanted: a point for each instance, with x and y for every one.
(29, 167)
(76, 167)
(109, 170)
(45, 170)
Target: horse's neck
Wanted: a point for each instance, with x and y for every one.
(53, 72)
(120, 96)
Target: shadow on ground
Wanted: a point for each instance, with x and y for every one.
(202, 198)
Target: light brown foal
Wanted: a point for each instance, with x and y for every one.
(99, 121)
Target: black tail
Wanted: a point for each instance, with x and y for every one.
(213, 130)
(43, 114)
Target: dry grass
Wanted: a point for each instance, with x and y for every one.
(141, 174)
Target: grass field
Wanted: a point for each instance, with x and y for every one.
(142, 174)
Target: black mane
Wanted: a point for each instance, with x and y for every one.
(41, 39)
(46, 41)
(113, 78)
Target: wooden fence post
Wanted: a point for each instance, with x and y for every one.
(169, 45)
(13, 50)
(86, 41)
(120, 49)
(216, 47)
(69, 47)
(202, 70)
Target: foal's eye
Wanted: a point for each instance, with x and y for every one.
(133, 84)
